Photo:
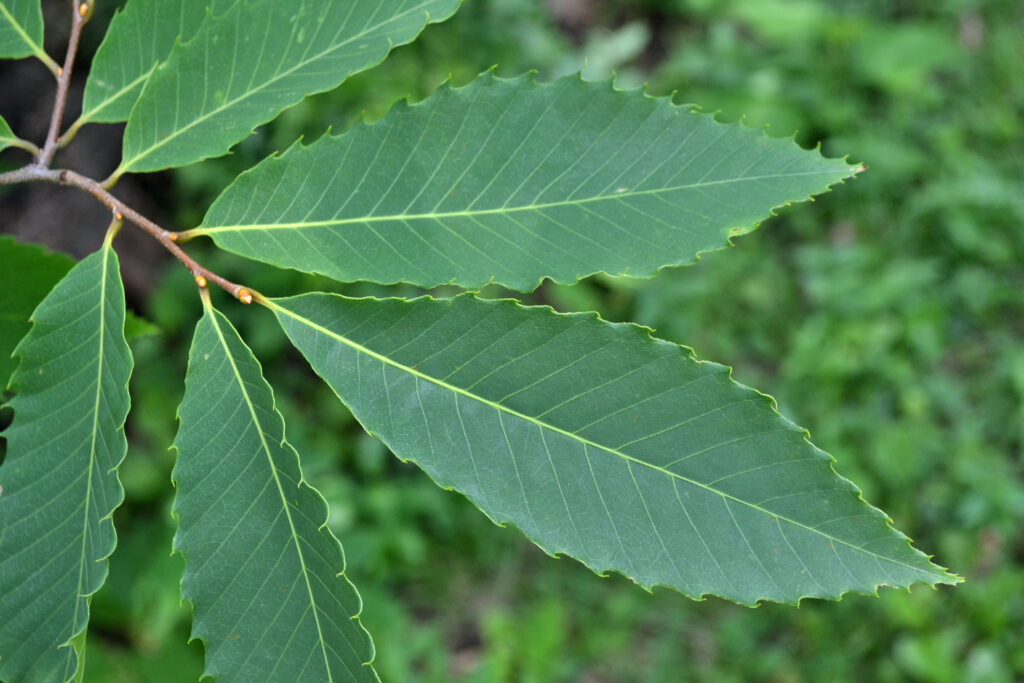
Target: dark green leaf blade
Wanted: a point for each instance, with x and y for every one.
(606, 444)
(512, 181)
(27, 273)
(264, 573)
(139, 37)
(58, 484)
(258, 58)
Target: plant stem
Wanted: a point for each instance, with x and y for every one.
(80, 12)
(39, 173)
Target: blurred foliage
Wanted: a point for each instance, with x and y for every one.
(886, 317)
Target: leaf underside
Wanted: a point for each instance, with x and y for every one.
(512, 181)
(58, 484)
(21, 28)
(259, 57)
(263, 571)
(139, 36)
(603, 443)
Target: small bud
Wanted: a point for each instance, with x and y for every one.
(245, 296)
(83, 9)
(172, 236)
(201, 281)
(118, 216)
(60, 71)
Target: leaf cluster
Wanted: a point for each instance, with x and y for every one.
(597, 440)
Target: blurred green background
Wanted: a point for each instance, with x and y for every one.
(887, 317)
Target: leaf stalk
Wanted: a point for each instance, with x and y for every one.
(23, 144)
(38, 173)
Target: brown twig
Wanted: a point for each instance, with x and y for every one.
(38, 173)
(80, 12)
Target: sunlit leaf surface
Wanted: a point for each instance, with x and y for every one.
(21, 28)
(139, 37)
(259, 57)
(512, 181)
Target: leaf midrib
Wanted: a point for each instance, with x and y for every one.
(321, 641)
(92, 451)
(37, 49)
(126, 165)
(498, 211)
(576, 437)
(109, 100)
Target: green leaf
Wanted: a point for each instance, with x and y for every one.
(27, 273)
(511, 181)
(139, 37)
(7, 136)
(58, 483)
(21, 29)
(603, 443)
(261, 56)
(9, 139)
(137, 327)
(263, 571)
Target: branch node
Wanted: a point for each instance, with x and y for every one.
(38, 172)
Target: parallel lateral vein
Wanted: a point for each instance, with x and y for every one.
(585, 442)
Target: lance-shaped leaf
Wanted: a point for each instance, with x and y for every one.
(58, 483)
(606, 444)
(21, 30)
(262, 570)
(140, 36)
(511, 181)
(261, 56)
(28, 273)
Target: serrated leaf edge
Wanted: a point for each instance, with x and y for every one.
(943, 577)
(125, 165)
(324, 528)
(728, 234)
(69, 643)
